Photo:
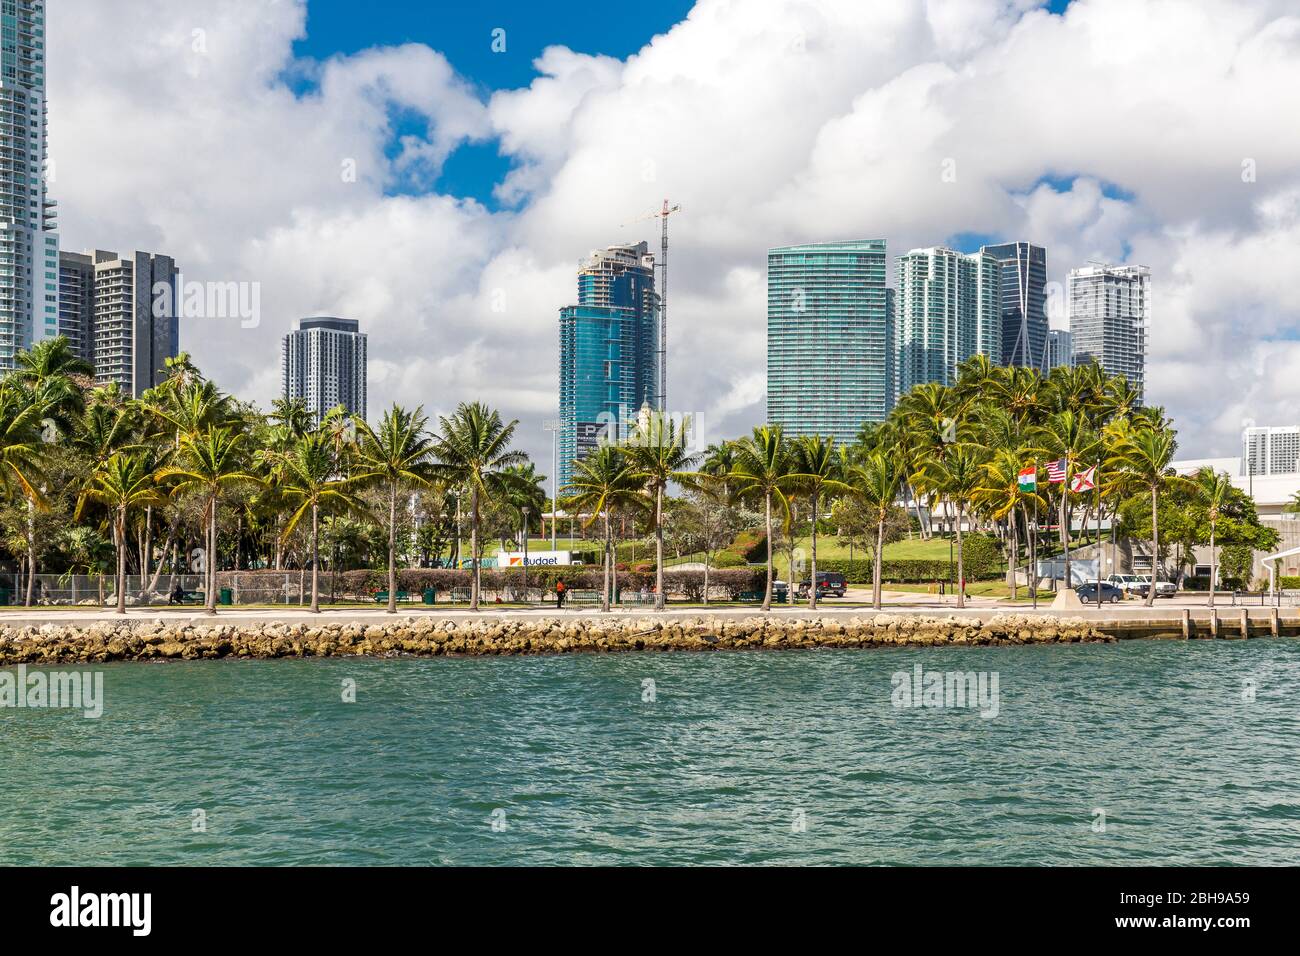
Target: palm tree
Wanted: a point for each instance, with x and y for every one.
(876, 481)
(310, 478)
(1068, 435)
(603, 481)
(999, 495)
(397, 456)
(1215, 488)
(817, 460)
(957, 476)
(473, 451)
(763, 470)
(1148, 453)
(207, 464)
(657, 452)
(126, 481)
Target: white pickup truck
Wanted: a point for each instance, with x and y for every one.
(1138, 585)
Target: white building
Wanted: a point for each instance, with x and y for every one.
(1270, 450)
(1110, 315)
(324, 362)
(29, 247)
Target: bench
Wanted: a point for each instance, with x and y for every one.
(381, 597)
(189, 597)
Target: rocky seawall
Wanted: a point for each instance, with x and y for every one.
(103, 641)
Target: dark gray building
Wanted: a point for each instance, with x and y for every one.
(1024, 303)
(119, 312)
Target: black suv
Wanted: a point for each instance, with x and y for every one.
(829, 583)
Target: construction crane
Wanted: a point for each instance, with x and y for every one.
(662, 214)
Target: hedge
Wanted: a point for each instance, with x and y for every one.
(269, 585)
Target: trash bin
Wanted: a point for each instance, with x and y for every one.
(224, 597)
(5, 596)
(430, 596)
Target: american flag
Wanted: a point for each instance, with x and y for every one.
(1056, 471)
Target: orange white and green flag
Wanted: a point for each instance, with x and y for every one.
(1029, 478)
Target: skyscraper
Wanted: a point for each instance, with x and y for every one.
(324, 362)
(1270, 450)
(77, 303)
(1024, 303)
(1110, 311)
(830, 349)
(1059, 349)
(29, 248)
(609, 349)
(118, 312)
(948, 308)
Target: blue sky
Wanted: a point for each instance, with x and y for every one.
(463, 32)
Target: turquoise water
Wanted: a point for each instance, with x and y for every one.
(717, 769)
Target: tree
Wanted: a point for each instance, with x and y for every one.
(1068, 436)
(473, 451)
(999, 495)
(207, 464)
(1215, 488)
(1147, 453)
(957, 476)
(815, 458)
(763, 471)
(657, 451)
(603, 481)
(875, 482)
(126, 481)
(310, 479)
(397, 457)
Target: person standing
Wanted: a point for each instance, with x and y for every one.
(560, 589)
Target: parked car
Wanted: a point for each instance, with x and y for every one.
(1164, 589)
(1128, 583)
(829, 583)
(1109, 593)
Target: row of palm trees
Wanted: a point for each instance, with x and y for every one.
(953, 455)
(185, 446)
(959, 451)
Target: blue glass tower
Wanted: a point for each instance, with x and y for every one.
(609, 341)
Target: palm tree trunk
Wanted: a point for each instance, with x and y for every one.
(659, 548)
(875, 570)
(31, 551)
(315, 559)
(171, 535)
(392, 549)
(812, 589)
(212, 558)
(473, 551)
(708, 543)
(767, 593)
(609, 564)
(1015, 554)
(120, 535)
(1213, 567)
(961, 571)
(1155, 546)
(146, 555)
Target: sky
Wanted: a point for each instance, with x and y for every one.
(436, 170)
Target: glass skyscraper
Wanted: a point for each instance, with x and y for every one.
(609, 350)
(1024, 303)
(830, 349)
(948, 309)
(1110, 310)
(29, 248)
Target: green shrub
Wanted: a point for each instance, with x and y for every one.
(1289, 582)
